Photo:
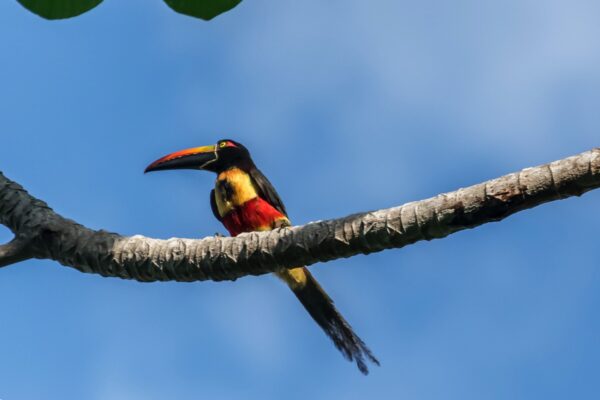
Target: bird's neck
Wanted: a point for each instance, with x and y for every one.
(240, 207)
(233, 188)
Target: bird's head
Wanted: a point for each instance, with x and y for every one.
(216, 158)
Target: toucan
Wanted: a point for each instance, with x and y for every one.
(244, 200)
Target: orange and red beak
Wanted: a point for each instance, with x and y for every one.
(193, 158)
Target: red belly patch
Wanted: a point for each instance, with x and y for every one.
(253, 215)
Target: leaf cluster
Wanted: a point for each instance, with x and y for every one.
(61, 9)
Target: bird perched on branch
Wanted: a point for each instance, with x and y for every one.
(244, 200)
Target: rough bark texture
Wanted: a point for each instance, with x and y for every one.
(41, 233)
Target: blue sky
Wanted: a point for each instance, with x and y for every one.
(346, 106)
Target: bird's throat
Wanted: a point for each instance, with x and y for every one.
(240, 206)
(233, 188)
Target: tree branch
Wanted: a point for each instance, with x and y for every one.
(14, 251)
(225, 258)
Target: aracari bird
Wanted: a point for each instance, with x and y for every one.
(244, 200)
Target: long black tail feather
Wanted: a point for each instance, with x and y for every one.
(321, 308)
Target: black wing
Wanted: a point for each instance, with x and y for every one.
(213, 205)
(267, 191)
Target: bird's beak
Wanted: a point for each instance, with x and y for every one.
(193, 158)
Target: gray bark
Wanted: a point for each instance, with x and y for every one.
(42, 233)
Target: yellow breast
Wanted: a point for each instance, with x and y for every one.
(233, 188)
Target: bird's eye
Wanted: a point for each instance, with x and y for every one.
(222, 144)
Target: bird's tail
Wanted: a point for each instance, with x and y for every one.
(320, 306)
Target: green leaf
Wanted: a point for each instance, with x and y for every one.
(59, 9)
(205, 9)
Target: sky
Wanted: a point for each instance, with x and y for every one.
(346, 106)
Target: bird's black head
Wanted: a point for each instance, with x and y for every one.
(216, 158)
